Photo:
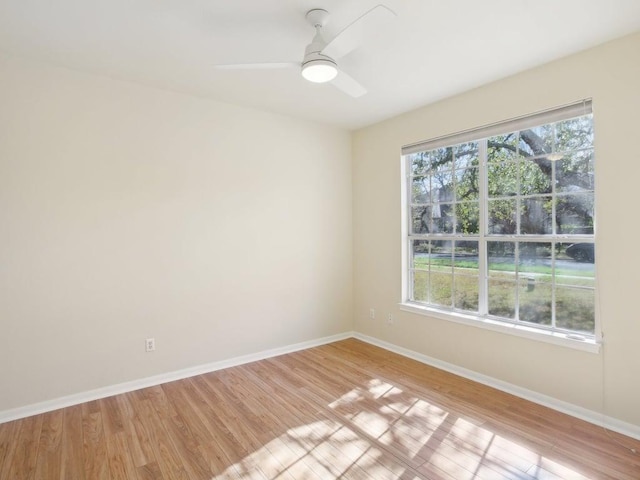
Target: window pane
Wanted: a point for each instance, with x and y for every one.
(440, 289)
(535, 301)
(501, 259)
(535, 215)
(466, 257)
(442, 175)
(468, 218)
(575, 172)
(574, 134)
(442, 221)
(466, 184)
(535, 176)
(420, 163)
(535, 260)
(502, 217)
(536, 141)
(466, 278)
(420, 282)
(466, 293)
(575, 309)
(574, 265)
(441, 278)
(420, 190)
(420, 219)
(442, 157)
(502, 147)
(420, 254)
(502, 298)
(502, 276)
(574, 214)
(503, 179)
(442, 184)
(466, 155)
(580, 279)
(578, 259)
(442, 254)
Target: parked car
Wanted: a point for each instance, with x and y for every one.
(581, 252)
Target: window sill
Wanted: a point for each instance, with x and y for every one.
(586, 345)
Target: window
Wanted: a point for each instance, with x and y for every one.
(500, 223)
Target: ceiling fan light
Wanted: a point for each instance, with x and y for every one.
(319, 70)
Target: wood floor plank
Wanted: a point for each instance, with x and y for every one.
(72, 464)
(231, 416)
(111, 416)
(186, 431)
(121, 465)
(187, 449)
(136, 431)
(223, 450)
(167, 458)
(149, 471)
(345, 410)
(24, 454)
(94, 446)
(48, 464)
(8, 433)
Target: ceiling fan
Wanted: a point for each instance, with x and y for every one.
(319, 62)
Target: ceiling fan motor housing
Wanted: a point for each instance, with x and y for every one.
(323, 66)
(317, 18)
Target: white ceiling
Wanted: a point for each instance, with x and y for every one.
(431, 50)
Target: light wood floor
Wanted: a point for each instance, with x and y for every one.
(345, 410)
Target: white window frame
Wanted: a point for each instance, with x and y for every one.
(483, 320)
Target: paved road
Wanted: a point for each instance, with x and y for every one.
(564, 264)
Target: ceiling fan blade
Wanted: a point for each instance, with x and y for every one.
(348, 85)
(352, 36)
(256, 66)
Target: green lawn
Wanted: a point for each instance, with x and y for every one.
(533, 289)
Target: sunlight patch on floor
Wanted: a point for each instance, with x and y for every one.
(378, 423)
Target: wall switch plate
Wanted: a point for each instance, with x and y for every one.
(372, 313)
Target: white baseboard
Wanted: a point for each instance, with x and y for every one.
(75, 399)
(596, 418)
(590, 416)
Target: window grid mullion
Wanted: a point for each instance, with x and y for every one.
(410, 294)
(554, 231)
(483, 187)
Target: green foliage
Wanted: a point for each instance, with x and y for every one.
(517, 164)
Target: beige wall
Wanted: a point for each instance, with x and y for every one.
(128, 212)
(611, 75)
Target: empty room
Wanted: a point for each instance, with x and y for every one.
(296, 239)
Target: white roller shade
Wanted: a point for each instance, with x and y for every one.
(558, 114)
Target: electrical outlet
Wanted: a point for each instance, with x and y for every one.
(149, 344)
(390, 320)
(372, 313)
